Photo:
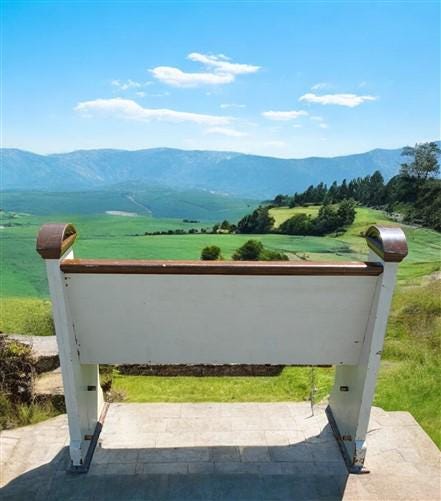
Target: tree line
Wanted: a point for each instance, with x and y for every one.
(415, 192)
(330, 218)
(252, 250)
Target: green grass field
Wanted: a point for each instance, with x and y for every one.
(102, 236)
(410, 373)
(157, 201)
(281, 214)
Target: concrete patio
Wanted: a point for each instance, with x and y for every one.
(254, 451)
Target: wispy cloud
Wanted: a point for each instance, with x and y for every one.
(226, 131)
(179, 78)
(320, 121)
(349, 100)
(284, 115)
(130, 110)
(320, 85)
(129, 84)
(232, 105)
(222, 71)
(222, 64)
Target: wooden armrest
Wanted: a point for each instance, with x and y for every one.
(388, 242)
(54, 239)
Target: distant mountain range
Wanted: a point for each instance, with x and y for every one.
(223, 172)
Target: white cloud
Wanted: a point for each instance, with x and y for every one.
(158, 94)
(222, 64)
(178, 78)
(323, 125)
(275, 144)
(130, 110)
(223, 71)
(349, 100)
(232, 105)
(225, 131)
(129, 84)
(320, 85)
(284, 115)
(317, 118)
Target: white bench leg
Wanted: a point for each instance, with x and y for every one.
(351, 398)
(82, 390)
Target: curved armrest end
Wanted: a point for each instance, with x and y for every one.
(54, 239)
(389, 242)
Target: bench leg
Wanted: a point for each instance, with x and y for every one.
(82, 390)
(351, 398)
(84, 406)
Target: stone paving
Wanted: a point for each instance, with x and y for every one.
(239, 451)
(42, 346)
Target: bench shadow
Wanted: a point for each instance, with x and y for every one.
(308, 470)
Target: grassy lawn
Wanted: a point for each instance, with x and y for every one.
(26, 316)
(410, 378)
(293, 384)
(281, 214)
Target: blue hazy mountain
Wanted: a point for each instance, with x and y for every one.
(225, 172)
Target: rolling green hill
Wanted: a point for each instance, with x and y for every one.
(424, 244)
(111, 236)
(157, 201)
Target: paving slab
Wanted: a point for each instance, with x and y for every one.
(255, 451)
(44, 350)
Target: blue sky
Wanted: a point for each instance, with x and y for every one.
(288, 79)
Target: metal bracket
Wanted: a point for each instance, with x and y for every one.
(354, 465)
(84, 468)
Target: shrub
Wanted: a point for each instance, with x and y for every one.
(211, 253)
(6, 411)
(270, 255)
(253, 250)
(250, 251)
(17, 371)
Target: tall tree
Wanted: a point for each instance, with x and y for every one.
(260, 221)
(423, 161)
(376, 189)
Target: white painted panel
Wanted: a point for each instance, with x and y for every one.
(219, 319)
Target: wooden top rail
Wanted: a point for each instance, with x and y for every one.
(54, 240)
(274, 268)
